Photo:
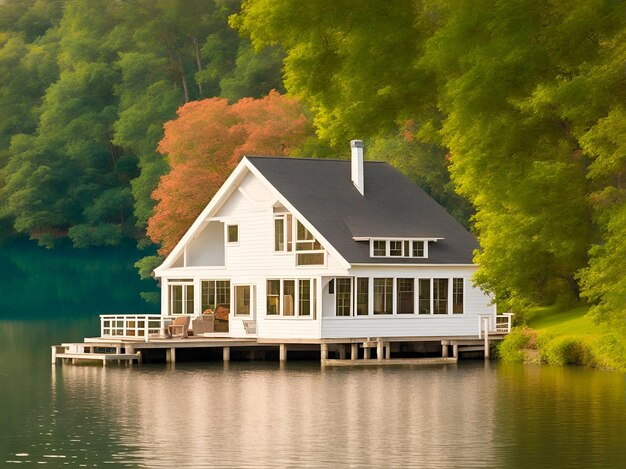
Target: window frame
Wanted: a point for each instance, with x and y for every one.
(408, 247)
(296, 301)
(184, 286)
(389, 281)
(398, 292)
(215, 292)
(250, 313)
(228, 227)
(349, 299)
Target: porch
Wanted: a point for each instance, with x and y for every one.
(125, 338)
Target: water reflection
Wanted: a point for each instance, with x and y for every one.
(259, 415)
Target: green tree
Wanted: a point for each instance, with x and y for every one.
(513, 90)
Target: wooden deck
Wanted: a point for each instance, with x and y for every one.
(365, 351)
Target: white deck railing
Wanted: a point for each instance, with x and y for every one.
(133, 326)
(498, 324)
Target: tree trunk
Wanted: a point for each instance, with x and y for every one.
(198, 60)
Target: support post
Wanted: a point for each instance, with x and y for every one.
(379, 350)
(486, 328)
(342, 352)
(388, 351)
(444, 350)
(455, 350)
(366, 353)
(226, 354)
(170, 355)
(354, 351)
(54, 354)
(323, 352)
(283, 353)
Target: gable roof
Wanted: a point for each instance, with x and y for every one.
(393, 207)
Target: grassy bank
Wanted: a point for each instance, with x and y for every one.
(564, 337)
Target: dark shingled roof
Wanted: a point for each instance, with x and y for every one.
(393, 206)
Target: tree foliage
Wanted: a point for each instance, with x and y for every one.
(204, 144)
(85, 88)
(527, 99)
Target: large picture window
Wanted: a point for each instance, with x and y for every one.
(343, 296)
(362, 296)
(406, 296)
(215, 293)
(291, 298)
(383, 296)
(440, 295)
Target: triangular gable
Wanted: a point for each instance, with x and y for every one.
(232, 182)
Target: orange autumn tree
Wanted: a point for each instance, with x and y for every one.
(205, 143)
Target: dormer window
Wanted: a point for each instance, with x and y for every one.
(418, 249)
(411, 248)
(379, 247)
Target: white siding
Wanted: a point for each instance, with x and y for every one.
(252, 261)
(207, 248)
(475, 303)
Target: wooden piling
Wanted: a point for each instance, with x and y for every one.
(354, 351)
(323, 352)
(283, 352)
(226, 354)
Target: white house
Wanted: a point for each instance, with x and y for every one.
(315, 249)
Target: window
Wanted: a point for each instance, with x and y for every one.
(395, 248)
(398, 248)
(457, 296)
(305, 240)
(440, 295)
(316, 258)
(362, 296)
(331, 286)
(233, 233)
(242, 300)
(304, 297)
(273, 297)
(343, 297)
(383, 296)
(289, 297)
(424, 296)
(181, 299)
(283, 236)
(294, 301)
(279, 234)
(314, 254)
(406, 299)
(418, 249)
(380, 247)
(215, 293)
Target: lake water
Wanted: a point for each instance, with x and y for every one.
(473, 414)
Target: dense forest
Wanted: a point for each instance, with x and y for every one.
(510, 113)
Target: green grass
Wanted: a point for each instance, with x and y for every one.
(569, 322)
(560, 336)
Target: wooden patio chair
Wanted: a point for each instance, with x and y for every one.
(179, 327)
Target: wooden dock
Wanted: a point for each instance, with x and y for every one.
(332, 352)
